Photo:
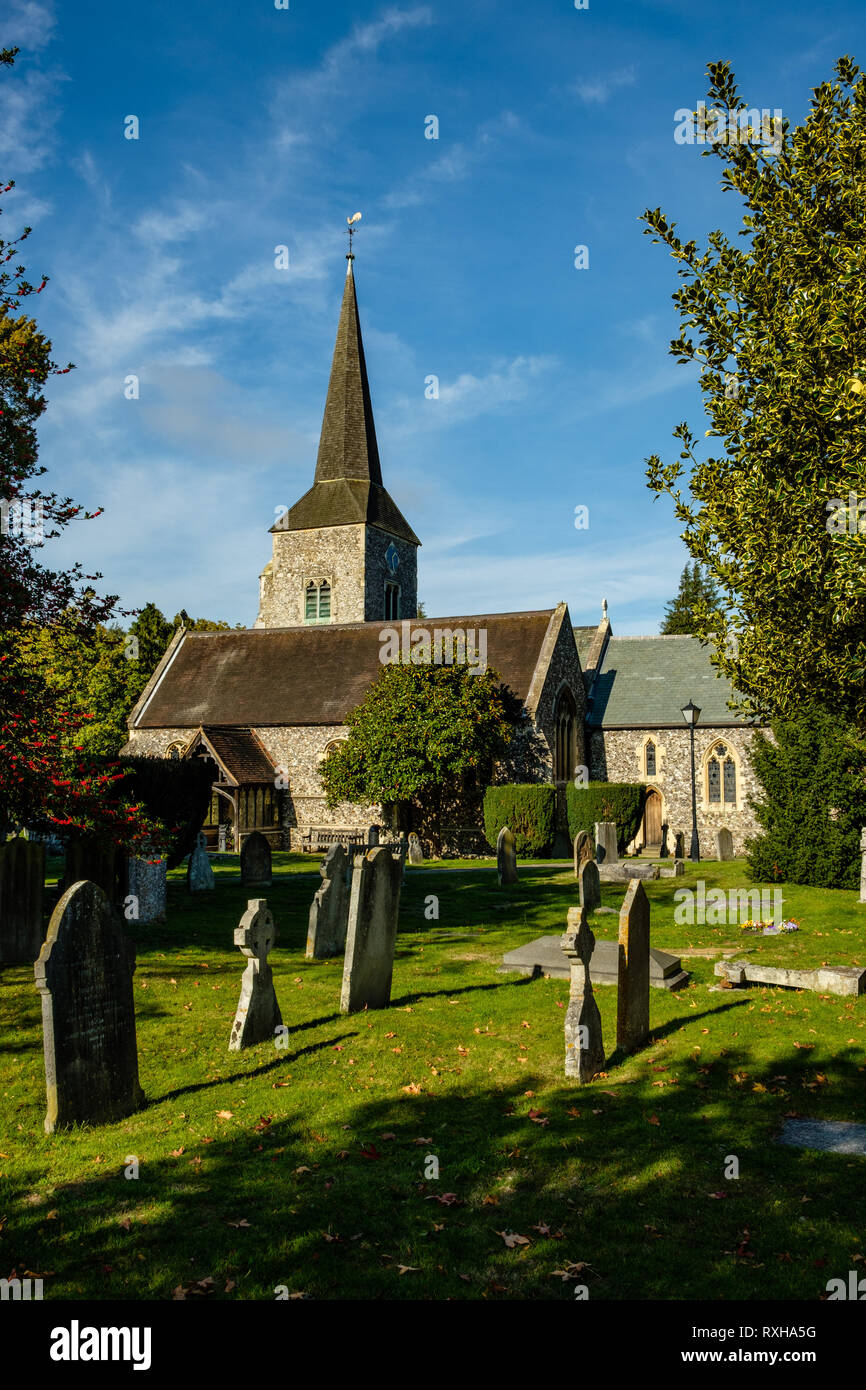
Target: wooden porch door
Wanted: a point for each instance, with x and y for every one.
(652, 818)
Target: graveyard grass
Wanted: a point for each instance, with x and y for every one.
(304, 1169)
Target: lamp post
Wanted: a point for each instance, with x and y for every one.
(691, 714)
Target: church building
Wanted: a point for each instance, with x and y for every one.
(264, 706)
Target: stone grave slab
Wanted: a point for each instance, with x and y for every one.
(544, 955)
(626, 869)
(84, 975)
(827, 979)
(724, 844)
(831, 1136)
(590, 886)
(606, 851)
(632, 1001)
(255, 860)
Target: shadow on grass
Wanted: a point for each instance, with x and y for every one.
(284, 1059)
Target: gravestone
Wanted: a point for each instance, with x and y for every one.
(373, 836)
(87, 859)
(725, 843)
(199, 874)
(374, 907)
(255, 860)
(222, 831)
(329, 910)
(584, 1048)
(664, 850)
(22, 880)
(590, 886)
(84, 975)
(863, 865)
(506, 857)
(416, 853)
(680, 845)
(606, 851)
(583, 850)
(258, 1013)
(632, 1000)
(146, 884)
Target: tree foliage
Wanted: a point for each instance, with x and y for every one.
(812, 803)
(777, 326)
(417, 735)
(696, 588)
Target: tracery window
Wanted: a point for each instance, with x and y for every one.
(317, 602)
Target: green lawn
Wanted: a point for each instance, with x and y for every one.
(304, 1168)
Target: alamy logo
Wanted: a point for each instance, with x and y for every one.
(439, 646)
(23, 517)
(720, 127)
(76, 1343)
(20, 1290)
(855, 1290)
(717, 908)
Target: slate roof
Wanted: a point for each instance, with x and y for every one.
(644, 682)
(584, 638)
(348, 483)
(266, 677)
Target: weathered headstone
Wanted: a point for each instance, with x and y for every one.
(416, 853)
(680, 844)
(222, 833)
(22, 879)
(583, 850)
(199, 874)
(329, 910)
(84, 975)
(147, 887)
(255, 860)
(725, 843)
(863, 865)
(506, 856)
(664, 849)
(258, 1013)
(606, 851)
(374, 907)
(584, 1048)
(590, 886)
(632, 1001)
(373, 836)
(91, 861)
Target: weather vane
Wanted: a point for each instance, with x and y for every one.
(352, 229)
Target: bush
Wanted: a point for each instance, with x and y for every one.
(529, 810)
(175, 792)
(622, 802)
(813, 804)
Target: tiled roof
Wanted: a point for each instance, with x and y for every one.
(646, 681)
(241, 754)
(309, 675)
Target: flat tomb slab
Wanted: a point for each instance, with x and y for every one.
(546, 954)
(833, 1136)
(827, 979)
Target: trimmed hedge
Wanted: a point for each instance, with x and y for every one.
(622, 802)
(529, 810)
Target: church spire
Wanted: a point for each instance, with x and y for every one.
(348, 447)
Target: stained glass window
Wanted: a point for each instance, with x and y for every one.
(650, 756)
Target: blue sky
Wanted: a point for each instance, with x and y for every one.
(262, 127)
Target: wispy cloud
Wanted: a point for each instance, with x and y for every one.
(27, 24)
(454, 164)
(468, 396)
(596, 91)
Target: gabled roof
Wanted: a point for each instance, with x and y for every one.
(644, 682)
(348, 487)
(239, 753)
(313, 675)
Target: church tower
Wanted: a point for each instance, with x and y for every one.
(344, 553)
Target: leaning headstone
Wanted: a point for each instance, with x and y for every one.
(664, 849)
(680, 845)
(255, 860)
(22, 879)
(258, 1013)
(583, 850)
(584, 1048)
(373, 911)
(416, 853)
(199, 874)
(632, 1000)
(373, 836)
(606, 851)
(725, 843)
(84, 974)
(506, 856)
(590, 886)
(147, 887)
(329, 910)
(863, 865)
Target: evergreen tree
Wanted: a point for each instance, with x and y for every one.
(696, 591)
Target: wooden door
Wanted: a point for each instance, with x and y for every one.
(652, 819)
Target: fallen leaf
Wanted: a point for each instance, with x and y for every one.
(242, 1223)
(512, 1240)
(654, 1120)
(176, 1153)
(408, 1269)
(225, 1114)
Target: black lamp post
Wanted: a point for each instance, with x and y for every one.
(691, 714)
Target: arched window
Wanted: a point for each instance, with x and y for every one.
(392, 601)
(650, 758)
(565, 749)
(174, 751)
(721, 777)
(317, 601)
